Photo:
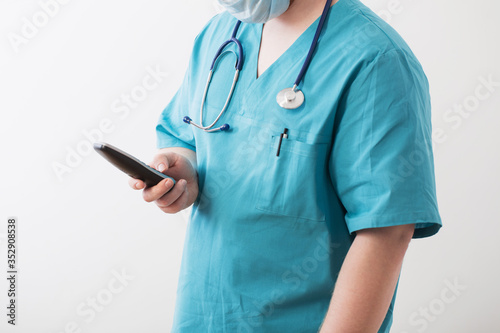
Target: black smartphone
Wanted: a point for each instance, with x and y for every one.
(132, 166)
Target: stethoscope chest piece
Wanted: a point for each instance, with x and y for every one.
(290, 98)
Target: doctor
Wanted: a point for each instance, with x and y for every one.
(316, 176)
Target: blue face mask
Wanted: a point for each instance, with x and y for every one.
(255, 11)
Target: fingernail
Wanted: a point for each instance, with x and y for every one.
(161, 167)
(167, 183)
(137, 186)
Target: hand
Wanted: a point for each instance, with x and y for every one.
(178, 163)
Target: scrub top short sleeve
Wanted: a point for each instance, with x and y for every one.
(381, 162)
(171, 131)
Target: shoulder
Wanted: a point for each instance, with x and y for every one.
(221, 24)
(365, 37)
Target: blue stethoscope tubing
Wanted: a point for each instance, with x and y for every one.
(289, 98)
(238, 67)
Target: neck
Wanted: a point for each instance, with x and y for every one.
(280, 33)
(300, 13)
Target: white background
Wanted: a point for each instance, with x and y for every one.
(76, 232)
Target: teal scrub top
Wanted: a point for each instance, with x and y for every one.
(268, 234)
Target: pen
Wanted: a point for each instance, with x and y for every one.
(283, 135)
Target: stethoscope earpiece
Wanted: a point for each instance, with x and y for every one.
(223, 128)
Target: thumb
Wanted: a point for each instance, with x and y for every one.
(162, 162)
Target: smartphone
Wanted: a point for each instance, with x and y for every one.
(132, 166)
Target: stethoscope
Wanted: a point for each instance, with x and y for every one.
(288, 98)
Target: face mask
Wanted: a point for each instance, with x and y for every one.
(255, 11)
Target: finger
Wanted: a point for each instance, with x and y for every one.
(153, 193)
(178, 204)
(168, 199)
(136, 184)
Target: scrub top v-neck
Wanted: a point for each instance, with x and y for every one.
(292, 55)
(268, 234)
(284, 69)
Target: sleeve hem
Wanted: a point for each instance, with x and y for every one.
(424, 227)
(168, 142)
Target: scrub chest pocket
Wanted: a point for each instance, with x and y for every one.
(293, 183)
